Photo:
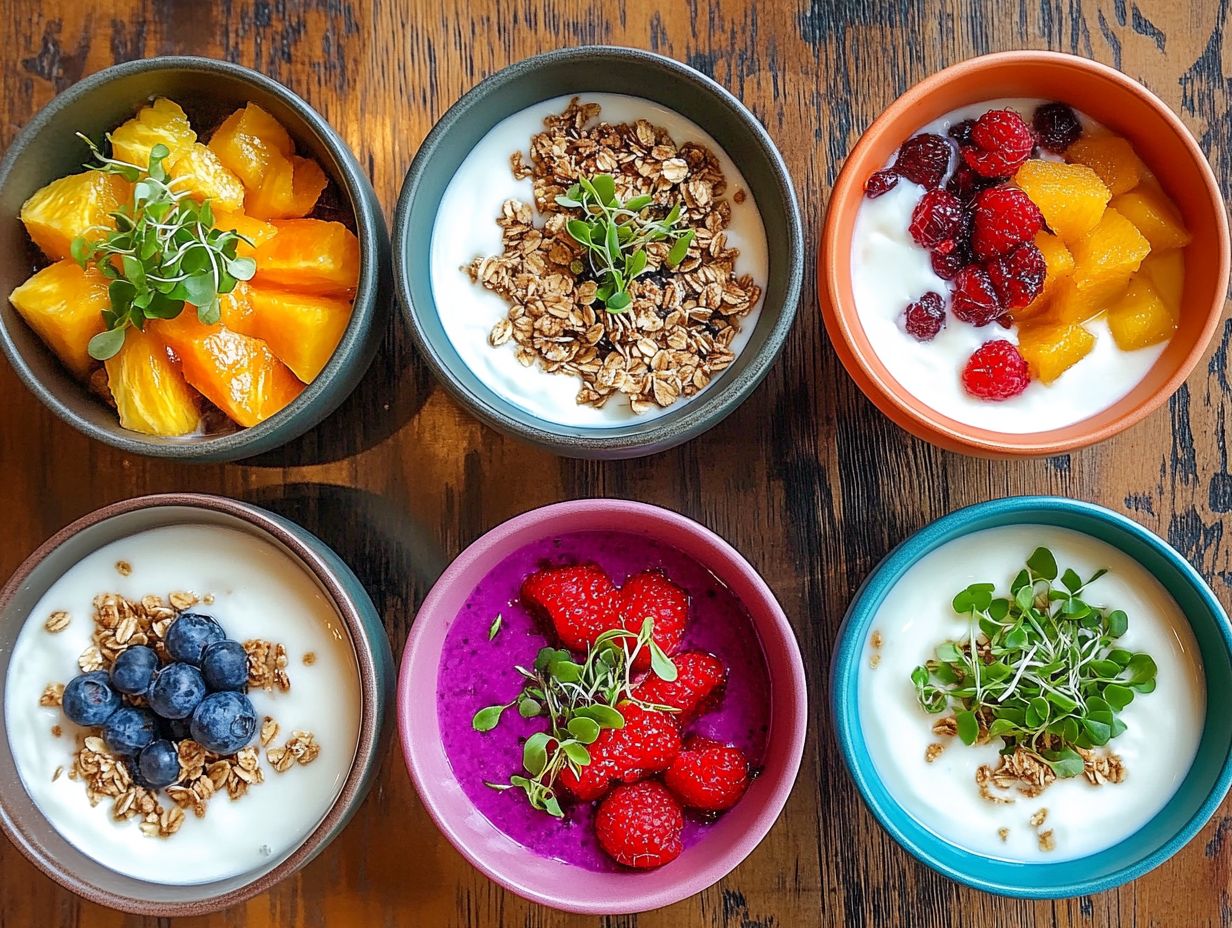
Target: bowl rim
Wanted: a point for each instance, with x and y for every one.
(841, 320)
(281, 532)
(544, 518)
(369, 226)
(844, 679)
(701, 413)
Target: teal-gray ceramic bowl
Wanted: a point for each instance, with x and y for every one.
(1194, 801)
(32, 833)
(47, 148)
(578, 71)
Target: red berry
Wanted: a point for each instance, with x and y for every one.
(996, 371)
(1000, 142)
(1057, 126)
(579, 600)
(974, 300)
(700, 678)
(647, 744)
(708, 775)
(651, 595)
(924, 318)
(641, 825)
(966, 184)
(923, 159)
(1005, 217)
(880, 182)
(1018, 277)
(960, 132)
(935, 219)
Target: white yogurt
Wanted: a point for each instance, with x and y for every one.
(889, 270)
(466, 229)
(1163, 728)
(259, 593)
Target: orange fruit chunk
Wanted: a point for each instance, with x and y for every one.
(1052, 348)
(1152, 212)
(255, 230)
(289, 190)
(302, 329)
(63, 304)
(197, 170)
(248, 141)
(1166, 272)
(1141, 317)
(1111, 157)
(79, 204)
(150, 393)
(163, 121)
(1071, 196)
(309, 256)
(1106, 256)
(1059, 264)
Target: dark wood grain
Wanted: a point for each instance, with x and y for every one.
(807, 479)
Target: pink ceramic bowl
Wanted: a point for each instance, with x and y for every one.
(552, 882)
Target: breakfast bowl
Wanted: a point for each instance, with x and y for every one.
(483, 620)
(204, 789)
(1105, 311)
(318, 296)
(1030, 806)
(638, 364)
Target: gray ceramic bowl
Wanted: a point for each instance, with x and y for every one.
(600, 69)
(47, 149)
(25, 825)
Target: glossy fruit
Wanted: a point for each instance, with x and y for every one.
(130, 729)
(133, 670)
(248, 142)
(289, 190)
(224, 664)
(579, 601)
(150, 393)
(190, 634)
(177, 690)
(224, 722)
(974, 299)
(879, 183)
(965, 184)
(1000, 142)
(1018, 277)
(1141, 317)
(1106, 256)
(309, 256)
(651, 595)
(197, 171)
(302, 329)
(1152, 212)
(89, 699)
(700, 679)
(1056, 126)
(1005, 217)
(924, 159)
(995, 371)
(256, 231)
(1071, 197)
(647, 744)
(924, 318)
(163, 122)
(936, 219)
(1050, 349)
(79, 204)
(159, 764)
(708, 776)
(1112, 158)
(63, 304)
(1166, 272)
(641, 825)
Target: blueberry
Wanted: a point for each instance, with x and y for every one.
(189, 634)
(224, 664)
(134, 669)
(89, 699)
(159, 764)
(130, 729)
(176, 691)
(174, 729)
(224, 722)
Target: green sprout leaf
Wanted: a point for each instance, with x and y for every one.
(487, 719)
(495, 626)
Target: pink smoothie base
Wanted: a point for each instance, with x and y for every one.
(546, 878)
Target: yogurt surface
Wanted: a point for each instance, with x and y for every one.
(889, 270)
(1163, 728)
(465, 229)
(259, 593)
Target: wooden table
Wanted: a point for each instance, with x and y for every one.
(807, 479)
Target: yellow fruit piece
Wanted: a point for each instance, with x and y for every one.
(151, 395)
(197, 171)
(1073, 306)
(1071, 196)
(248, 141)
(1060, 265)
(1166, 272)
(309, 255)
(1106, 256)
(64, 303)
(1050, 349)
(1141, 317)
(79, 204)
(1111, 157)
(163, 121)
(302, 329)
(257, 231)
(289, 190)
(1152, 212)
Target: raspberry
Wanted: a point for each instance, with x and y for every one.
(996, 371)
(966, 184)
(700, 678)
(1001, 141)
(924, 318)
(1004, 217)
(1018, 277)
(641, 825)
(880, 182)
(651, 595)
(647, 744)
(923, 159)
(935, 219)
(974, 300)
(960, 132)
(579, 600)
(1057, 126)
(708, 775)
(947, 266)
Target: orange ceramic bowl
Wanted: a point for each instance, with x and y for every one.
(1126, 108)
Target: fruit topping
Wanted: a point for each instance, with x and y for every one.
(133, 670)
(224, 665)
(1141, 317)
(89, 699)
(974, 299)
(1071, 197)
(159, 763)
(1166, 272)
(1105, 258)
(641, 825)
(177, 690)
(1112, 158)
(224, 722)
(924, 159)
(960, 132)
(130, 729)
(1056, 126)
(579, 600)
(64, 305)
(309, 256)
(1152, 212)
(1052, 348)
(700, 678)
(708, 775)
(646, 744)
(924, 318)
(996, 371)
(936, 220)
(163, 122)
(1018, 277)
(1004, 218)
(651, 595)
(1000, 142)
(76, 205)
(879, 183)
(150, 393)
(966, 184)
(189, 635)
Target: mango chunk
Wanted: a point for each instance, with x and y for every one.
(1166, 272)
(63, 304)
(1050, 349)
(1149, 208)
(197, 170)
(79, 204)
(289, 190)
(1071, 305)
(151, 395)
(1112, 158)
(248, 141)
(257, 231)
(1106, 256)
(1071, 196)
(309, 256)
(163, 121)
(1141, 317)
(1060, 265)
(302, 329)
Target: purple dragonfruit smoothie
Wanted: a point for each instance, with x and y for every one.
(476, 672)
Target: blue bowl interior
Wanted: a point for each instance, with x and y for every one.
(1193, 803)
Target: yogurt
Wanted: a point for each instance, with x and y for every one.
(1163, 728)
(466, 228)
(889, 270)
(259, 592)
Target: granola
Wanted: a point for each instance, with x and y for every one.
(267, 665)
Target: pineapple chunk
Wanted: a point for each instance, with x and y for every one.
(257, 231)
(1050, 349)
(150, 393)
(1111, 157)
(1060, 265)
(248, 141)
(302, 329)
(289, 189)
(162, 121)
(64, 303)
(1071, 196)
(1106, 256)
(1152, 212)
(309, 255)
(1072, 305)
(1166, 272)
(79, 204)
(1141, 317)
(198, 171)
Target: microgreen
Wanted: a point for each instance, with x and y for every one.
(579, 701)
(495, 626)
(614, 234)
(163, 252)
(1039, 668)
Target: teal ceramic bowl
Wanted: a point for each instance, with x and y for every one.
(1194, 802)
(47, 148)
(32, 834)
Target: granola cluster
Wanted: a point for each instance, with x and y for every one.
(677, 334)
